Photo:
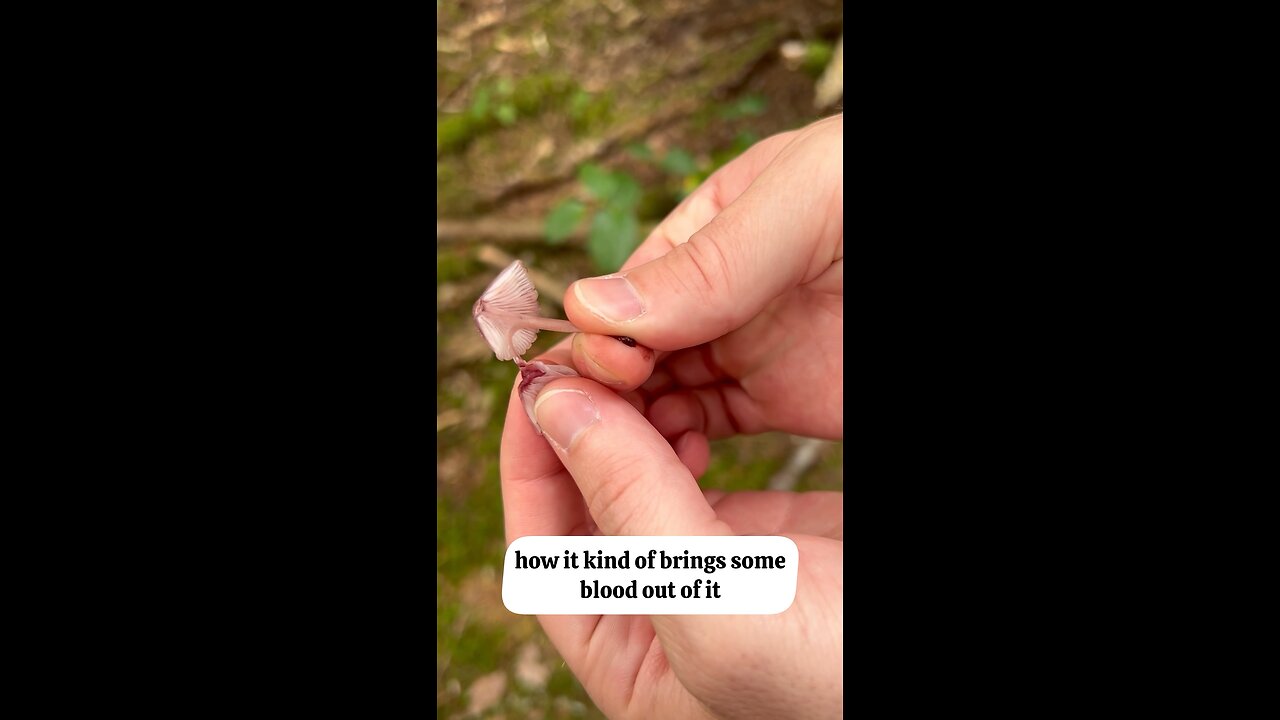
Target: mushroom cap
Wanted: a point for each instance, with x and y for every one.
(510, 296)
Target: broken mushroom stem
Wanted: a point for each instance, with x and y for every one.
(533, 377)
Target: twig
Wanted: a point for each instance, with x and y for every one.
(625, 132)
(802, 459)
(448, 419)
(493, 229)
(548, 286)
(463, 90)
(588, 150)
(830, 87)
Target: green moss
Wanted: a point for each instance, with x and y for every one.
(591, 113)
(469, 525)
(836, 458)
(562, 682)
(453, 132)
(498, 103)
(539, 93)
(469, 531)
(829, 473)
(728, 470)
(480, 647)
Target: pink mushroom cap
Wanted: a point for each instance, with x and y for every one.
(510, 297)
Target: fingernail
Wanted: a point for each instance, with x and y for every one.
(564, 414)
(611, 298)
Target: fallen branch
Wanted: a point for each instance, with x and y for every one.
(492, 229)
(628, 131)
(588, 150)
(448, 419)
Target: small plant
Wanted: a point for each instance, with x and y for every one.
(746, 106)
(611, 198)
(494, 103)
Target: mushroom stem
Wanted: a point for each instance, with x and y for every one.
(540, 323)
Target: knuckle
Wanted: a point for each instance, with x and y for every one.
(704, 274)
(709, 277)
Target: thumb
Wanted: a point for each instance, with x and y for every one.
(632, 480)
(784, 230)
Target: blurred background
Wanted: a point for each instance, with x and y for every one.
(564, 132)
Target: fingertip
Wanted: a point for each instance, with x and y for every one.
(618, 365)
(603, 305)
(694, 451)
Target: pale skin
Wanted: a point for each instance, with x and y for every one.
(742, 290)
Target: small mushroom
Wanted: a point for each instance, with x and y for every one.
(507, 315)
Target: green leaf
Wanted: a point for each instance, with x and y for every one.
(614, 234)
(752, 105)
(626, 193)
(480, 104)
(747, 106)
(816, 56)
(598, 181)
(578, 104)
(679, 162)
(506, 114)
(640, 150)
(742, 141)
(562, 219)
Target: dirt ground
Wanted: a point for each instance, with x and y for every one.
(526, 94)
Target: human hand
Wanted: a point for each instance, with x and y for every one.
(741, 289)
(752, 305)
(603, 469)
